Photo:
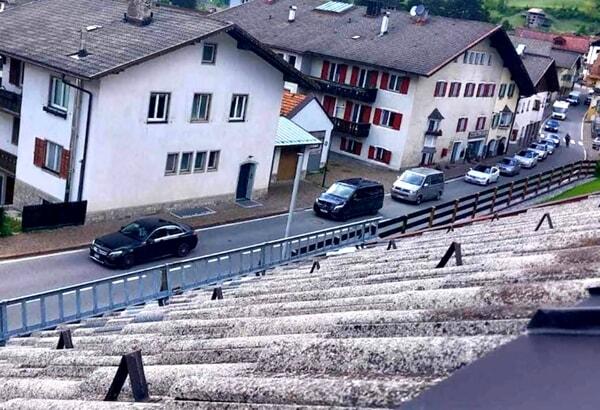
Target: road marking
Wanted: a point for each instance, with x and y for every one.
(581, 138)
(30, 258)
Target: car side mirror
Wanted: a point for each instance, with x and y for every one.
(426, 184)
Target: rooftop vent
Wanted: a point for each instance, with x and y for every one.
(139, 12)
(292, 14)
(419, 14)
(334, 7)
(2, 6)
(385, 23)
(373, 8)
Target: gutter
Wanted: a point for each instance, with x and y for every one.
(87, 135)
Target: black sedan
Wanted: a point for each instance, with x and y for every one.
(142, 240)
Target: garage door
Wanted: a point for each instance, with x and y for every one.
(287, 164)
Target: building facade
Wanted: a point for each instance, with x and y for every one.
(11, 84)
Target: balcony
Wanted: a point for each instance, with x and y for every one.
(354, 129)
(367, 95)
(436, 133)
(10, 102)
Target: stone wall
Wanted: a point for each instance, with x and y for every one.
(26, 194)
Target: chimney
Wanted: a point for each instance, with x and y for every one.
(521, 49)
(82, 43)
(385, 23)
(139, 12)
(292, 14)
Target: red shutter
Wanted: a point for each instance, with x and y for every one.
(444, 152)
(325, 70)
(372, 79)
(377, 116)
(396, 121)
(385, 78)
(483, 120)
(479, 90)
(365, 115)
(444, 88)
(387, 156)
(343, 144)
(357, 148)
(371, 152)
(343, 71)
(354, 75)
(436, 91)
(404, 85)
(329, 105)
(348, 111)
(458, 125)
(39, 152)
(65, 158)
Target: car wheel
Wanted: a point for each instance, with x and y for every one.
(439, 196)
(128, 261)
(419, 199)
(183, 249)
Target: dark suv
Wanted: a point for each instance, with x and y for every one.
(350, 198)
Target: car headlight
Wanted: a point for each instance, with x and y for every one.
(115, 254)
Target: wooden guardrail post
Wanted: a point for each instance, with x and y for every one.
(510, 192)
(404, 224)
(560, 179)
(455, 210)
(475, 206)
(539, 183)
(431, 216)
(525, 189)
(550, 180)
(494, 199)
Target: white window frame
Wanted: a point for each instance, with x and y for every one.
(379, 152)
(334, 72)
(52, 160)
(214, 53)
(196, 107)
(386, 118)
(363, 76)
(239, 102)
(59, 94)
(217, 157)
(155, 114)
(175, 164)
(433, 125)
(204, 156)
(503, 116)
(188, 169)
(395, 83)
(340, 108)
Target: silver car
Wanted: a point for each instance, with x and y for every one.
(509, 166)
(418, 185)
(549, 148)
(527, 158)
(541, 153)
(596, 144)
(552, 137)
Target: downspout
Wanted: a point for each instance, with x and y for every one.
(73, 142)
(87, 135)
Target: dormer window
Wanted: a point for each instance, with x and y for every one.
(433, 125)
(434, 121)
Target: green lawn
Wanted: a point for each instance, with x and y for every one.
(587, 188)
(526, 4)
(9, 226)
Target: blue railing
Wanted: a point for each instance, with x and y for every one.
(45, 310)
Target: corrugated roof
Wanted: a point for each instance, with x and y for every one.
(290, 133)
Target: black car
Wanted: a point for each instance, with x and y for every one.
(350, 198)
(142, 240)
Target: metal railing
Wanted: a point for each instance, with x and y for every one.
(355, 129)
(44, 310)
(488, 201)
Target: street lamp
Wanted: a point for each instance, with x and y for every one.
(294, 194)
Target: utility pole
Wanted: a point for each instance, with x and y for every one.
(294, 194)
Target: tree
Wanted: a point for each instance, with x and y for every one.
(188, 4)
(507, 26)
(462, 9)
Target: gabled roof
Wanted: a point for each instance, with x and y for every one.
(47, 33)
(561, 41)
(291, 101)
(533, 46)
(289, 133)
(435, 115)
(565, 59)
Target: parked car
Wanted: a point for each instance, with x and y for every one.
(418, 185)
(539, 150)
(483, 174)
(143, 240)
(588, 99)
(350, 198)
(548, 145)
(509, 166)
(552, 137)
(574, 98)
(527, 158)
(551, 125)
(596, 144)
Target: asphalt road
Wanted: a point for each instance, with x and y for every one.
(26, 276)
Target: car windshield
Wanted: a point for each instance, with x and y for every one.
(560, 110)
(135, 231)
(341, 190)
(412, 178)
(483, 168)
(506, 161)
(524, 153)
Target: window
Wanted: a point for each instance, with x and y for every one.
(200, 161)
(201, 107)
(292, 60)
(59, 94)
(213, 160)
(15, 73)
(480, 123)
(362, 78)
(16, 126)
(440, 89)
(185, 166)
(209, 53)
(390, 119)
(502, 91)
(237, 112)
(171, 166)
(511, 90)
(495, 121)
(505, 119)
(398, 84)
(462, 124)
(380, 154)
(340, 108)
(480, 90)
(470, 90)
(158, 109)
(53, 156)
(454, 89)
(350, 146)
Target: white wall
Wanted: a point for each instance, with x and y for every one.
(127, 156)
(6, 126)
(313, 119)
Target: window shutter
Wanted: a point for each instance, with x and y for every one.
(377, 116)
(404, 85)
(343, 144)
(39, 152)
(325, 70)
(348, 111)
(483, 120)
(64, 163)
(493, 91)
(354, 75)
(444, 88)
(343, 71)
(372, 79)
(458, 125)
(14, 74)
(371, 152)
(396, 121)
(357, 148)
(387, 156)
(329, 105)
(365, 116)
(385, 78)
(465, 123)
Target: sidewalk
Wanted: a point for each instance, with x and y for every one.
(74, 237)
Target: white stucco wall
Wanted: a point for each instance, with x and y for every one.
(527, 115)
(313, 119)
(6, 126)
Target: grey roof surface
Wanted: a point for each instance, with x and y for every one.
(536, 66)
(47, 32)
(289, 133)
(370, 329)
(419, 49)
(533, 46)
(565, 59)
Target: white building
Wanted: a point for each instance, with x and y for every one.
(401, 91)
(165, 108)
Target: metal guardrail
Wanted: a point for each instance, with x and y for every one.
(488, 201)
(45, 310)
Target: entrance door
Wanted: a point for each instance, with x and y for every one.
(245, 181)
(287, 164)
(455, 152)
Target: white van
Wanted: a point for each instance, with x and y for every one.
(559, 110)
(574, 98)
